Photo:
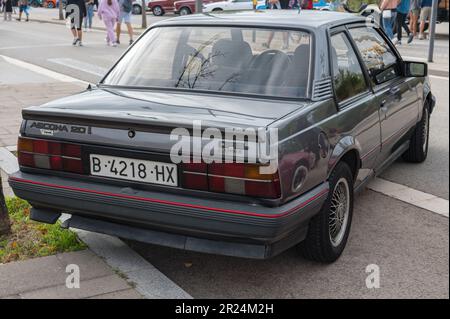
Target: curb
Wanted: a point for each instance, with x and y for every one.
(143, 276)
(146, 279)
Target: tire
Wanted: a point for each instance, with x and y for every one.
(136, 9)
(50, 5)
(418, 147)
(325, 241)
(185, 11)
(217, 9)
(158, 11)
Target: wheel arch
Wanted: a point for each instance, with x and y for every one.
(185, 7)
(347, 150)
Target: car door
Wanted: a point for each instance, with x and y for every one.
(242, 5)
(358, 115)
(397, 95)
(169, 5)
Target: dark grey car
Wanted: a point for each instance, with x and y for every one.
(342, 100)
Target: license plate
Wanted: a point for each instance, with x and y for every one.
(134, 169)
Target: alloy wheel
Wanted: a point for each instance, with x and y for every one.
(339, 212)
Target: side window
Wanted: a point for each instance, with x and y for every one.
(348, 76)
(378, 57)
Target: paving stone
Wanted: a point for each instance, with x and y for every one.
(91, 266)
(123, 294)
(21, 276)
(88, 288)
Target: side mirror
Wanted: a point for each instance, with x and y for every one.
(415, 69)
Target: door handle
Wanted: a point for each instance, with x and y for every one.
(394, 90)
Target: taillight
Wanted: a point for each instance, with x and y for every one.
(49, 155)
(195, 176)
(233, 178)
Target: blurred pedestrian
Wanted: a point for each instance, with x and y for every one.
(89, 15)
(425, 14)
(389, 12)
(23, 8)
(125, 6)
(274, 4)
(414, 16)
(402, 13)
(306, 4)
(294, 4)
(7, 9)
(109, 12)
(76, 11)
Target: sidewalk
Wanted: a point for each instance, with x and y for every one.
(14, 97)
(45, 278)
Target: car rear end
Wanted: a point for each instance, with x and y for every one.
(227, 208)
(105, 156)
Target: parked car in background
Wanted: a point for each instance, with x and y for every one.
(161, 7)
(49, 4)
(137, 6)
(185, 7)
(321, 5)
(343, 101)
(233, 5)
(35, 3)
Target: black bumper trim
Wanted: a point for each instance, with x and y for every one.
(153, 211)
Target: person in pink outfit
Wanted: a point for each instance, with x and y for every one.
(109, 11)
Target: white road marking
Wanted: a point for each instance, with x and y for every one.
(438, 77)
(413, 58)
(411, 196)
(81, 66)
(47, 45)
(46, 72)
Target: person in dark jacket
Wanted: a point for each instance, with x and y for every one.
(76, 11)
(7, 8)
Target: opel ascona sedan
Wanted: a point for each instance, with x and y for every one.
(340, 98)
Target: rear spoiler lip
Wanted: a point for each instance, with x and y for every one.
(46, 115)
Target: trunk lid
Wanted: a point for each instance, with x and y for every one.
(106, 116)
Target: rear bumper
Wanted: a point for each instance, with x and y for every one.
(213, 226)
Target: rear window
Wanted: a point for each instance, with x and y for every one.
(218, 59)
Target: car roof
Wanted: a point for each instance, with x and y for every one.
(310, 19)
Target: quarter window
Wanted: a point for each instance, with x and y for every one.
(378, 57)
(348, 76)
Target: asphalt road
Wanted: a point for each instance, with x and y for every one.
(410, 245)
